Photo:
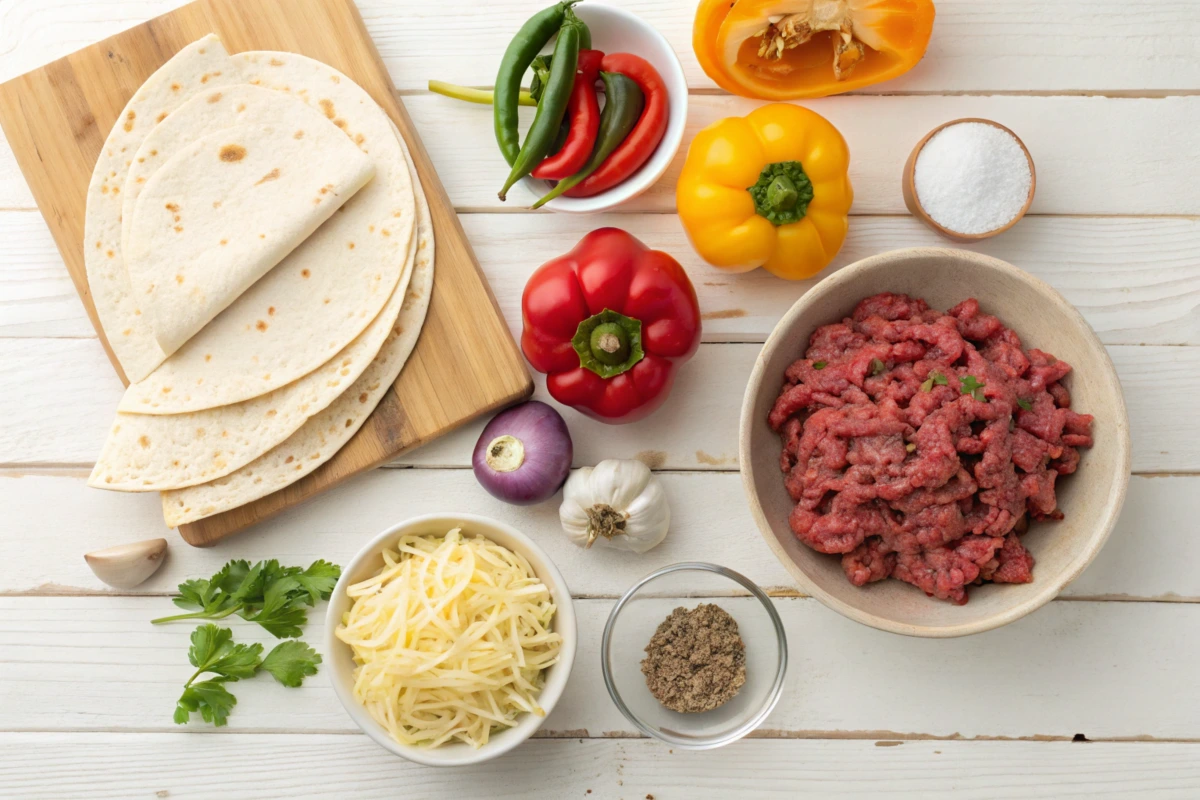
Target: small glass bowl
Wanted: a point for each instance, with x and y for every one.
(636, 617)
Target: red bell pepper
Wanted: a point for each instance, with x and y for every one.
(609, 323)
(583, 119)
(643, 140)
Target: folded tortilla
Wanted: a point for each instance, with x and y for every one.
(325, 433)
(325, 293)
(202, 65)
(228, 207)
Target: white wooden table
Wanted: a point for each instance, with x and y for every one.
(1108, 101)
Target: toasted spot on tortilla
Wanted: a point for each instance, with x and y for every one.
(256, 82)
(349, 422)
(214, 97)
(241, 107)
(175, 87)
(262, 236)
(141, 179)
(362, 398)
(153, 152)
(289, 459)
(371, 228)
(116, 190)
(216, 203)
(267, 377)
(224, 242)
(271, 310)
(199, 433)
(341, 123)
(208, 356)
(271, 413)
(270, 176)
(260, 325)
(104, 188)
(158, 119)
(109, 253)
(335, 79)
(204, 78)
(326, 301)
(232, 152)
(386, 232)
(298, 135)
(127, 331)
(178, 278)
(141, 159)
(359, 138)
(129, 118)
(305, 273)
(179, 229)
(327, 107)
(349, 245)
(144, 441)
(275, 62)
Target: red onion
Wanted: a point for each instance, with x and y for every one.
(524, 454)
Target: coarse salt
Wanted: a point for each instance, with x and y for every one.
(972, 177)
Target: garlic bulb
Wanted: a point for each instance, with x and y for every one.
(618, 502)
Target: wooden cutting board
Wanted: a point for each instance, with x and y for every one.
(56, 119)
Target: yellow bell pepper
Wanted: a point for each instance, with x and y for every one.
(767, 190)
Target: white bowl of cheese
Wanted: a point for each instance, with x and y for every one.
(382, 690)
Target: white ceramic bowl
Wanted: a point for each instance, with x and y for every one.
(615, 30)
(1091, 498)
(340, 664)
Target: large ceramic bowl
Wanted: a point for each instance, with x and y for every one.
(1091, 498)
(368, 562)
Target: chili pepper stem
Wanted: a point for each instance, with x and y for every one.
(471, 94)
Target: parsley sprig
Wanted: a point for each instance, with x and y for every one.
(214, 651)
(273, 596)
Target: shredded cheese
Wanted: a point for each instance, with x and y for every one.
(451, 638)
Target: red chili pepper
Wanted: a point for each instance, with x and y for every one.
(608, 323)
(583, 116)
(637, 148)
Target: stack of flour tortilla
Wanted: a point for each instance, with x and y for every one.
(260, 254)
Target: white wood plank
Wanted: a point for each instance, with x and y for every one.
(1094, 155)
(1106, 670)
(47, 765)
(710, 521)
(59, 396)
(977, 46)
(1137, 280)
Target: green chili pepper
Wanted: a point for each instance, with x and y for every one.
(552, 106)
(535, 34)
(623, 103)
(473, 95)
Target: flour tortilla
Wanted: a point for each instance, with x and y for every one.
(327, 432)
(194, 244)
(204, 64)
(148, 452)
(326, 292)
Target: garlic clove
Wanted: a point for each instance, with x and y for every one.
(128, 565)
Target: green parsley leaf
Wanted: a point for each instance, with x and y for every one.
(282, 611)
(291, 661)
(877, 367)
(938, 378)
(213, 650)
(1025, 404)
(970, 384)
(210, 698)
(318, 580)
(267, 593)
(819, 364)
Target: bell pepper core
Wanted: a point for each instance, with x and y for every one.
(609, 343)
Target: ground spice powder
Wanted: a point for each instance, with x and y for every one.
(696, 660)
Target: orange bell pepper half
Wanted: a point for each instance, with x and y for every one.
(790, 49)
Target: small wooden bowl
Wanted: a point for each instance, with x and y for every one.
(914, 204)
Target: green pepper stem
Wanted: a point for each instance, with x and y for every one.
(608, 343)
(782, 192)
(473, 95)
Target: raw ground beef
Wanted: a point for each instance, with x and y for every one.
(917, 444)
